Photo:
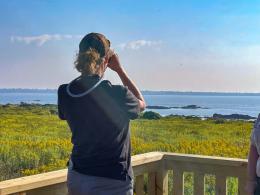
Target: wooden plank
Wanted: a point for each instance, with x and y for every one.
(211, 160)
(57, 189)
(221, 184)
(242, 181)
(140, 163)
(139, 185)
(151, 184)
(205, 168)
(142, 159)
(146, 168)
(177, 182)
(161, 181)
(198, 183)
(143, 163)
(241, 185)
(24, 184)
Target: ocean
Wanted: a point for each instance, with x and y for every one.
(209, 103)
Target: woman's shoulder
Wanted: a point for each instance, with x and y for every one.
(62, 88)
(114, 88)
(118, 90)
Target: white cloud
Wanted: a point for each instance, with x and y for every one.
(42, 39)
(135, 45)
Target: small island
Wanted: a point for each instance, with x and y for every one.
(176, 107)
(233, 117)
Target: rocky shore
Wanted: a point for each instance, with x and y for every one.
(233, 117)
(176, 107)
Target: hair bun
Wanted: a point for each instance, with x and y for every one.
(88, 61)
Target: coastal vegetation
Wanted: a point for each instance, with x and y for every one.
(33, 139)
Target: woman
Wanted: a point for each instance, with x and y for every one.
(98, 114)
(253, 183)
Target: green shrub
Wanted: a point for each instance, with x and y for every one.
(54, 111)
(219, 121)
(151, 115)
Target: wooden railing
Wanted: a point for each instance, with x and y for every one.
(155, 166)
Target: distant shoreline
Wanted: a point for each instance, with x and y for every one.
(214, 116)
(144, 92)
(175, 107)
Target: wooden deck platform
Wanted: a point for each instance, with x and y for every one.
(156, 165)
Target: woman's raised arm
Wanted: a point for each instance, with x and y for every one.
(115, 65)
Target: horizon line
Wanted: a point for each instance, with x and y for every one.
(146, 90)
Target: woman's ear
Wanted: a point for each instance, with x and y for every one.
(106, 62)
(103, 65)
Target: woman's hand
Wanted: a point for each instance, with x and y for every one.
(114, 63)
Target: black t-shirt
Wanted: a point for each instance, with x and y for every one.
(99, 122)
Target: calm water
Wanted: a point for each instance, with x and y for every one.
(221, 104)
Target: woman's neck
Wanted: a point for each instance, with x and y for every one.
(89, 75)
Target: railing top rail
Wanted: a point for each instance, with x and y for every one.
(149, 157)
(210, 160)
(60, 176)
(32, 182)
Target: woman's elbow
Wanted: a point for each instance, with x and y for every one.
(142, 105)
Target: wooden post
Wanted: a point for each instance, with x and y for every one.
(139, 185)
(221, 185)
(177, 182)
(198, 183)
(151, 184)
(161, 180)
(241, 185)
(242, 181)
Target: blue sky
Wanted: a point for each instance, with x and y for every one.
(189, 45)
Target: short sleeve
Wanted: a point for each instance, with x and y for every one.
(60, 105)
(131, 104)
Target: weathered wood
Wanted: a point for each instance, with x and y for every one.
(141, 163)
(57, 189)
(24, 184)
(204, 167)
(221, 184)
(198, 183)
(241, 185)
(142, 159)
(139, 185)
(154, 163)
(151, 184)
(161, 180)
(212, 160)
(145, 168)
(177, 182)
